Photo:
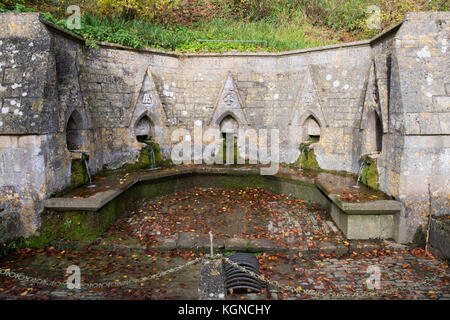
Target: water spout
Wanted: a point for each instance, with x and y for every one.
(89, 175)
(152, 158)
(301, 159)
(363, 164)
(211, 243)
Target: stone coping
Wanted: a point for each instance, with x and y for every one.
(101, 198)
(378, 207)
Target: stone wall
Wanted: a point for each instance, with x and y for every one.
(391, 92)
(415, 167)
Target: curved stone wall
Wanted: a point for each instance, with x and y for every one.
(47, 74)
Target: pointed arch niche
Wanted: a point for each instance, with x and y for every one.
(311, 129)
(229, 124)
(144, 128)
(373, 133)
(74, 131)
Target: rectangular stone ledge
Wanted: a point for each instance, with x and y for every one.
(369, 224)
(100, 199)
(377, 219)
(378, 207)
(93, 203)
(366, 226)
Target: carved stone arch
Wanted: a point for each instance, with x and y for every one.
(149, 104)
(144, 127)
(75, 126)
(299, 120)
(373, 132)
(368, 116)
(371, 100)
(298, 130)
(307, 100)
(229, 103)
(229, 113)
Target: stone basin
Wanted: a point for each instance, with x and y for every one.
(372, 215)
(367, 219)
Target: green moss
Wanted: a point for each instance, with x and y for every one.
(223, 152)
(238, 182)
(82, 227)
(369, 175)
(79, 175)
(144, 161)
(308, 159)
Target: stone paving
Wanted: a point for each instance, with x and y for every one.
(401, 271)
(273, 220)
(238, 217)
(100, 267)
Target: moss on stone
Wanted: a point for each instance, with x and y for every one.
(79, 175)
(223, 152)
(237, 182)
(86, 226)
(308, 160)
(369, 175)
(144, 161)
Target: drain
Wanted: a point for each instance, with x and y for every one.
(240, 281)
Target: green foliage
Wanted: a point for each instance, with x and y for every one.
(132, 9)
(177, 25)
(252, 10)
(14, 6)
(68, 223)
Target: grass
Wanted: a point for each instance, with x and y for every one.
(180, 38)
(281, 24)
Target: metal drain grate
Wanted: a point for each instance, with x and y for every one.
(240, 281)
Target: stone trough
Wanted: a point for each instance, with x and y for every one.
(376, 219)
(94, 213)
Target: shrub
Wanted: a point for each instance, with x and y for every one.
(251, 10)
(132, 9)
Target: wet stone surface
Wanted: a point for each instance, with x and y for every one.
(165, 232)
(406, 274)
(99, 267)
(344, 188)
(403, 275)
(234, 216)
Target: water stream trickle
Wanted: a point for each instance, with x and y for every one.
(301, 159)
(152, 159)
(363, 164)
(89, 175)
